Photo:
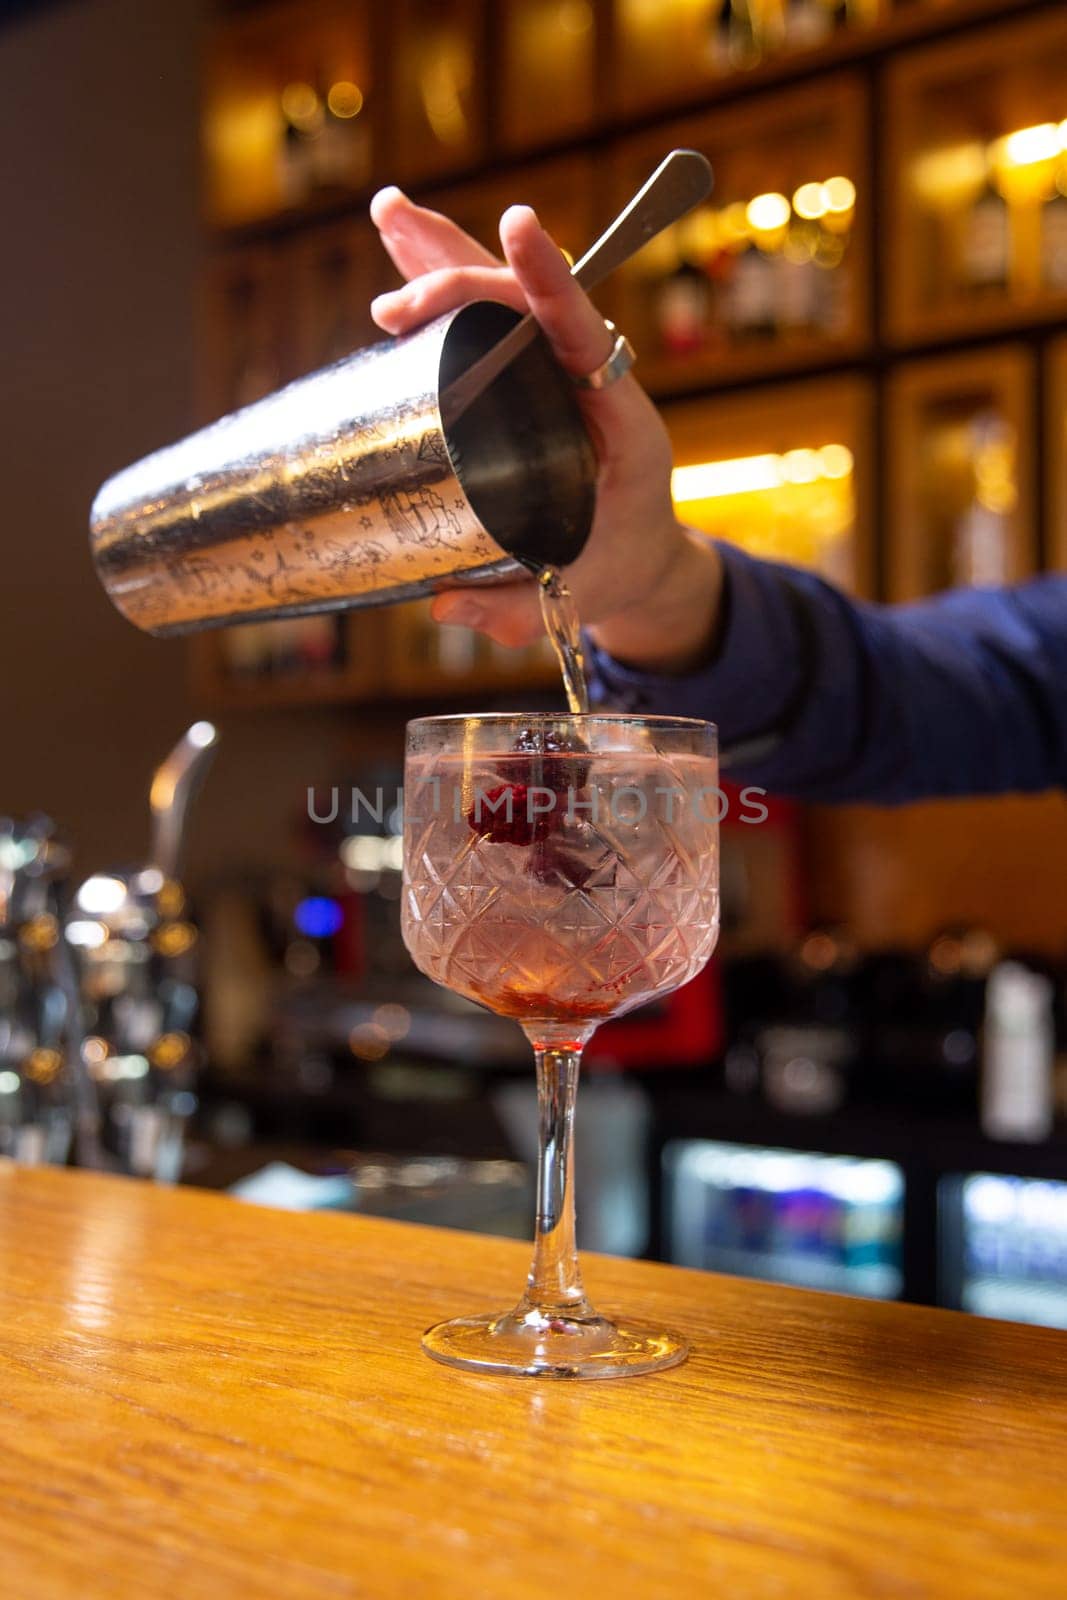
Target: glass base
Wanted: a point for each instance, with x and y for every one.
(533, 1343)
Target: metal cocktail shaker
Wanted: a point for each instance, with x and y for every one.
(345, 488)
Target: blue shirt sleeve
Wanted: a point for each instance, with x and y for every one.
(825, 698)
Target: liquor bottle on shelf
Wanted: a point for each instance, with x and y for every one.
(682, 309)
(301, 111)
(720, 47)
(981, 540)
(798, 282)
(1018, 1055)
(834, 230)
(985, 257)
(1054, 235)
(807, 23)
(772, 26)
(341, 151)
(456, 650)
(320, 643)
(283, 658)
(245, 651)
(738, 38)
(835, 287)
(749, 304)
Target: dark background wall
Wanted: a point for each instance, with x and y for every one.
(98, 271)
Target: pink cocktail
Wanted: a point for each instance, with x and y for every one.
(559, 870)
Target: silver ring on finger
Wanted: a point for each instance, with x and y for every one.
(619, 362)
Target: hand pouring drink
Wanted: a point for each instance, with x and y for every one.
(457, 455)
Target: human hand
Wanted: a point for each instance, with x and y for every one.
(647, 588)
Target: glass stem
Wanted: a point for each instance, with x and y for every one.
(555, 1282)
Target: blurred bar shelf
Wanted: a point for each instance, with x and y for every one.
(323, 660)
(425, 660)
(605, 82)
(773, 274)
(793, 478)
(292, 118)
(977, 150)
(906, 427)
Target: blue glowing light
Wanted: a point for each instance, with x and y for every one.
(317, 917)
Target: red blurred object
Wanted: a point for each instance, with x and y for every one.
(349, 944)
(685, 1029)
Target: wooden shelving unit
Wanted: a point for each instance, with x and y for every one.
(879, 346)
(977, 236)
(1056, 455)
(224, 677)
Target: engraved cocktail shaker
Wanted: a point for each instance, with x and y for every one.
(456, 455)
(347, 489)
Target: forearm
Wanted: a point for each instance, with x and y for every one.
(825, 699)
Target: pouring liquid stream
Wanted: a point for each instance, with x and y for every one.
(562, 625)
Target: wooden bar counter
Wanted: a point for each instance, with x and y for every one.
(201, 1399)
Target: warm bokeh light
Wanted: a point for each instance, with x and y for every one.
(767, 213)
(797, 506)
(800, 466)
(301, 105)
(835, 461)
(811, 201)
(171, 898)
(169, 1051)
(1028, 145)
(712, 480)
(840, 194)
(1024, 163)
(174, 938)
(43, 1065)
(345, 99)
(951, 176)
(368, 1042)
(39, 934)
(823, 215)
(393, 1020)
(733, 222)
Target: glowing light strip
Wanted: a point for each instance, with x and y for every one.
(716, 480)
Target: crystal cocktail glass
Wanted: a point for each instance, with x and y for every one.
(559, 870)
